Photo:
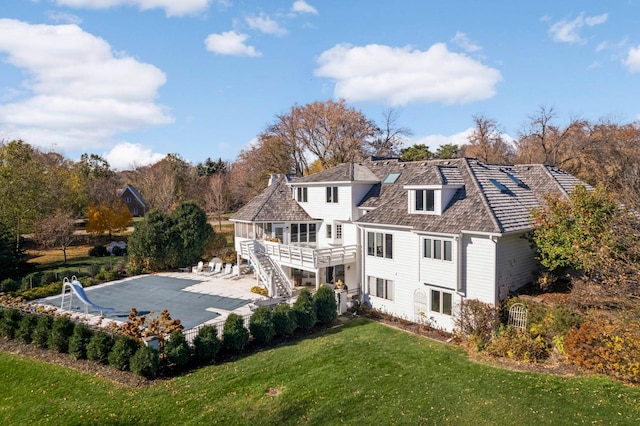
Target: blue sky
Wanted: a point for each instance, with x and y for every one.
(133, 80)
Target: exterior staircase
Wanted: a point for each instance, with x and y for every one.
(269, 271)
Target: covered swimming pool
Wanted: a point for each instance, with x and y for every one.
(191, 300)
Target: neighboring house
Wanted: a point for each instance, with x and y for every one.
(133, 200)
(411, 238)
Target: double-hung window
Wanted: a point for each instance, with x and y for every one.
(301, 195)
(329, 231)
(380, 244)
(425, 200)
(437, 249)
(441, 302)
(332, 194)
(379, 287)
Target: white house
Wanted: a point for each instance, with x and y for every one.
(411, 238)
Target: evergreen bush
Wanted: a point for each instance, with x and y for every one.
(26, 327)
(325, 305)
(40, 335)
(9, 320)
(61, 331)
(305, 310)
(145, 362)
(99, 347)
(261, 325)
(98, 251)
(284, 320)
(234, 336)
(206, 344)
(123, 349)
(79, 340)
(177, 350)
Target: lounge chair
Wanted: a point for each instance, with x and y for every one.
(233, 273)
(214, 269)
(197, 269)
(227, 270)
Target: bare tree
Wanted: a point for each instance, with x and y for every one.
(217, 196)
(487, 143)
(56, 231)
(389, 138)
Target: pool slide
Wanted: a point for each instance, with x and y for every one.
(76, 287)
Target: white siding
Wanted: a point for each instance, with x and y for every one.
(402, 270)
(516, 264)
(438, 272)
(478, 268)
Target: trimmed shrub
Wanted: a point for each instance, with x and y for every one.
(99, 347)
(79, 340)
(305, 310)
(261, 325)
(26, 327)
(9, 285)
(107, 275)
(122, 351)
(145, 362)
(177, 350)
(324, 302)
(234, 336)
(61, 331)
(98, 251)
(48, 278)
(40, 292)
(206, 344)
(284, 320)
(9, 320)
(118, 251)
(40, 335)
(511, 343)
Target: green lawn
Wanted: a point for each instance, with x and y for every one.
(363, 373)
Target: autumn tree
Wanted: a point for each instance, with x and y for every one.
(487, 144)
(217, 196)
(99, 181)
(103, 218)
(56, 231)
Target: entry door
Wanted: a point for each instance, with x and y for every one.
(278, 232)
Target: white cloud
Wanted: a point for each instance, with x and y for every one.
(399, 76)
(265, 25)
(301, 6)
(230, 43)
(461, 40)
(125, 155)
(78, 94)
(569, 31)
(171, 7)
(64, 18)
(632, 61)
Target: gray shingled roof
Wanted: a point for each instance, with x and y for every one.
(275, 203)
(346, 172)
(493, 198)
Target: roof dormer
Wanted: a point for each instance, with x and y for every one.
(429, 199)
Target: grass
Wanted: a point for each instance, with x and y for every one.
(363, 373)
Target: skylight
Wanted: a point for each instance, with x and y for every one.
(501, 187)
(391, 177)
(517, 181)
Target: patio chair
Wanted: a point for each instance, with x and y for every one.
(214, 269)
(227, 270)
(233, 273)
(197, 269)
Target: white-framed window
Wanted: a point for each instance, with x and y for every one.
(380, 244)
(379, 287)
(332, 194)
(338, 231)
(425, 200)
(329, 231)
(441, 302)
(303, 233)
(433, 248)
(301, 194)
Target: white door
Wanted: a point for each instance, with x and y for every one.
(278, 232)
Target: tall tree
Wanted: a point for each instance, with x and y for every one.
(193, 231)
(154, 244)
(447, 151)
(210, 167)
(13, 261)
(487, 144)
(23, 187)
(388, 138)
(166, 183)
(217, 196)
